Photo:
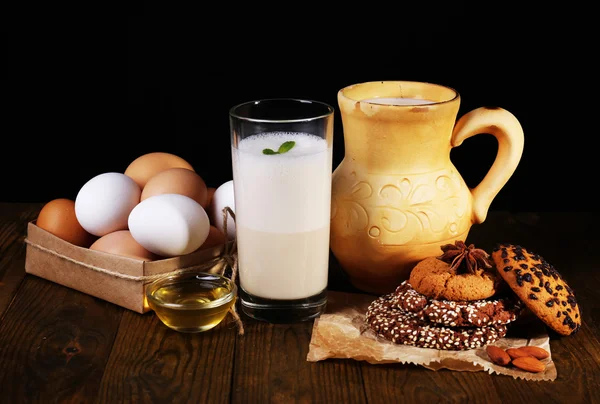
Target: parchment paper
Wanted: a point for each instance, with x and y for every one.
(341, 333)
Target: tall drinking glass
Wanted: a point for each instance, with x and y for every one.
(282, 167)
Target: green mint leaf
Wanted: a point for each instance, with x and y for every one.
(286, 146)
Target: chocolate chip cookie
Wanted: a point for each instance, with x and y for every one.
(539, 285)
(408, 328)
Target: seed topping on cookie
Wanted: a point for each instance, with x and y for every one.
(413, 328)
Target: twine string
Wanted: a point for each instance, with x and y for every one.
(229, 256)
(144, 278)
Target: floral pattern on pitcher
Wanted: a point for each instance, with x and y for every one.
(403, 209)
(346, 202)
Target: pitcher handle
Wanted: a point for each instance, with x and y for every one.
(508, 132)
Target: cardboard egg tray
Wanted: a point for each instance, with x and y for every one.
(116, 279)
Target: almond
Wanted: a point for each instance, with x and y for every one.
(529, 364)
(515, 353)
(497, 355)
(535, 351)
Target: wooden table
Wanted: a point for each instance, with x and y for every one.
(60, 345)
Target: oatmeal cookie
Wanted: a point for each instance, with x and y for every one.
(437, 279)
(539, 285)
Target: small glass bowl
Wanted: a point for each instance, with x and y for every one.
(193, 301)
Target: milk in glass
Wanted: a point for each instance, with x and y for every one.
(282, 204)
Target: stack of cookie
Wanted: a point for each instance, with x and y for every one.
(450, 302)
(465, 299)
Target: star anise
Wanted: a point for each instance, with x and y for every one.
(473, 259)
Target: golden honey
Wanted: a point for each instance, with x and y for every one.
(193, 302)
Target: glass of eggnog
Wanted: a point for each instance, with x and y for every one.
(282, 168)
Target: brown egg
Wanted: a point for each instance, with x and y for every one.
(215, 238)
(210, 191)
(177, 181)
(58, 217)
(122, 243)
(148, 165)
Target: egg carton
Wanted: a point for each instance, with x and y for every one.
(117, 279)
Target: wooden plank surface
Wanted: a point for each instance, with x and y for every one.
(398, 383)
(271, 367)
(54, 344)
(151, 363)
(59, 345)
(13, 225)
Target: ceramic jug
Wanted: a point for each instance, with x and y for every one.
(396, 195)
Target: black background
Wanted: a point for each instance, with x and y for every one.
(88, 94)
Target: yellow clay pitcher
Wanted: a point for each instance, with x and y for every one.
(396, 196)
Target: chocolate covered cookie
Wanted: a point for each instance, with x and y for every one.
(501, 310)
(540, 286)
(476, 313)
(408, 328)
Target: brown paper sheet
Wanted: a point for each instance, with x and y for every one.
(341, 333)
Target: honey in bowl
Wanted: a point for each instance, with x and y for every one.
(192, 302)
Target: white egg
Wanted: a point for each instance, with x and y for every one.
(103, 204)
(223, 196)
(169, 224)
